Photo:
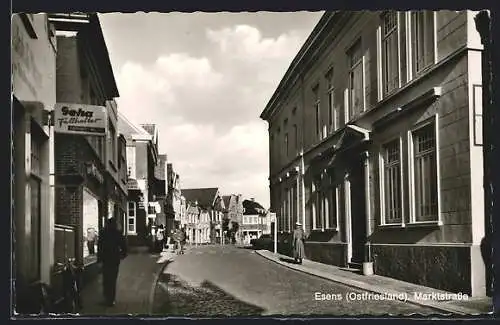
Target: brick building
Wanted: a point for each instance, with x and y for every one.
(33, 55)
(86, 173)
(375, 137)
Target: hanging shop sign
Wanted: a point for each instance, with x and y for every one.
(80, 119)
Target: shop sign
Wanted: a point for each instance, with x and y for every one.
(80, 119)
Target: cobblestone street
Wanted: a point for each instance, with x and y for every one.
(232, 281)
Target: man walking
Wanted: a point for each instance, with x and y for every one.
(111, 250)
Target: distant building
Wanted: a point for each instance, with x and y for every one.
(208, 201)
(255, 220)
(174, 198)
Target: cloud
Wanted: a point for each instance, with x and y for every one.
(246, 43)
(207, 107)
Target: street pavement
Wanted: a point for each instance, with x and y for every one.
(136, 282)
(235, 281)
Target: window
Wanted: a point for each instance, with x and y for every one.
(112, 143)
(317, 107)
(294, 111)
(390, 55)
(333, 206)
(332, 112)
(422, 40)
(391, 183)
(318, 205)
(356, 81)
(286, 144)
(36, 150)
(131, 217)
(425, 174)
(131, 161)
(296, 137)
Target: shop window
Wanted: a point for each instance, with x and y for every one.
(90, 225)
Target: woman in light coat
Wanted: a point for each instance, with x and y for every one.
(298, 243)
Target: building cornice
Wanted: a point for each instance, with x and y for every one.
(302, 57)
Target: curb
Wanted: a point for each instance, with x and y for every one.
(374, 289)
(153, 286)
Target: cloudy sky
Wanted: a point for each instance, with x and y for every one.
(204, 79)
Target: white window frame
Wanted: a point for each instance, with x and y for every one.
(332, 110)
(361, 61)
(318, 205)
(130, 217)
(383, 216)
(411, 172)
(380, 51)
(317, 113)
(287, 149)
(334, 192)
(131, 161)
(411, 72)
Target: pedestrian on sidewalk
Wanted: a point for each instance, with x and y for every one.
(160, 238)
(298, 243)
(111, 250)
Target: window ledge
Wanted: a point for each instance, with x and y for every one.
(392, 225)
(425, 224)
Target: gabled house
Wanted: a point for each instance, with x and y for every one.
(208, 200)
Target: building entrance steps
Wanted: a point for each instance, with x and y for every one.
(442, 301)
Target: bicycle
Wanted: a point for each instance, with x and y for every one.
(71, 273)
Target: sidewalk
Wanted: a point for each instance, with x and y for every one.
(135, 286)
(384, 285)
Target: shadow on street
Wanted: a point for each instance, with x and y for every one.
(176, 297)
(288, 260)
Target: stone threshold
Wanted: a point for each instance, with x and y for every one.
(386, 286)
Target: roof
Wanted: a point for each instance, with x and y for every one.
(150, 128)
(252, 207)
(204, 196)
(129, 129)
(227, 199)
(302, 56)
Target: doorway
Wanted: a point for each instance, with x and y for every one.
(357, 211)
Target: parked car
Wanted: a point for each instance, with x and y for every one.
(263, 242)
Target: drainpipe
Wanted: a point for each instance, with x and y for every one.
(483, 26)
